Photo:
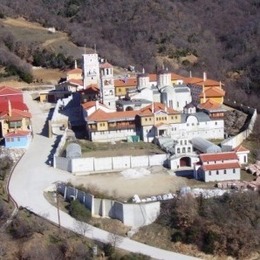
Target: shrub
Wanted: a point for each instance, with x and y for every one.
(78, 211)
(109, 250)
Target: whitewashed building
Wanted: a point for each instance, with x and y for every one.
(217, 167)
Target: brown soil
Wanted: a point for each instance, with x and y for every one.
(21, 22)
(117, 186)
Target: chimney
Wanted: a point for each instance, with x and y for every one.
(204, 76)
(165, 108)
(143, 71)
(97, 105)
(152, 107)
(190, 74)
(204, 94)
(220, 84)
(9, 108)
(75, 64)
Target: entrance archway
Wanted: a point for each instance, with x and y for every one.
(185, 162)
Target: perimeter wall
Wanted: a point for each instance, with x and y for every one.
(131, 214)
(234, 141)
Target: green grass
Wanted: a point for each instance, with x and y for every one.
(117, 149)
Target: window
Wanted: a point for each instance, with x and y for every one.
(18, 139)
(217, 172)
(178, 150)
(234, 170)
(189, 150)
(216, 123)
(244, 158)
(209, 173)
(225, 171)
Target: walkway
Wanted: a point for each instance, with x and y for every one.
(32, 176)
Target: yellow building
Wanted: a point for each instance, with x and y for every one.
(123, 85)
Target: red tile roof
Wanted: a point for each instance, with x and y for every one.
(127, 82)
(75, 71)
(91, 104)
(207, 157)
(18, 133)
(214, 92)
(14, 104)
(220, 166)
(15, 115)
(100, 115)
(241, 148)
(148, 110)
(4, 90)
(201, 82)
(153, 77)
(78, 82)
(176, 77)
(210, 105)
(105, 65)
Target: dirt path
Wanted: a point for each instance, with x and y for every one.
(51, 41)
(20, 22)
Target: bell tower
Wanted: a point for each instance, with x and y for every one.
(107, 85)
(90, 69)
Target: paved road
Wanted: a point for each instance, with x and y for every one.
(32, 176)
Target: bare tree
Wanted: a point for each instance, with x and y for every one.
(113, 237)
(81, 227)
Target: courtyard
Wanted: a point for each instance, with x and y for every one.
(144, 182)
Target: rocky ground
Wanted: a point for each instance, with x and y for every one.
(234, 121)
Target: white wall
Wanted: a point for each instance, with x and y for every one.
(108, 136)
(221, 176)
(135, 215)
(101, 164)
(91, 165)
(139, 161)
(122, 162)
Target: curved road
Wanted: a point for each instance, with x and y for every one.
(32, 176)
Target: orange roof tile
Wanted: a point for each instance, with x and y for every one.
(5, 90)
(16, 114)
(148, 110)
(18, 133)
(176, 77)
(241, 148)
(201, 82)
(210, 105)
(90, 104)
(100, 115)
(220, 166)
(14, 104)
(206, 157)
(153, 77)
(75, 71)
(105, 65)
(127, 82)
(214, 92)
(76, 82)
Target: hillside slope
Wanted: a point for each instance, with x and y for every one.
(221, 36)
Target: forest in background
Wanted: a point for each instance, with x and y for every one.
(222, 37)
